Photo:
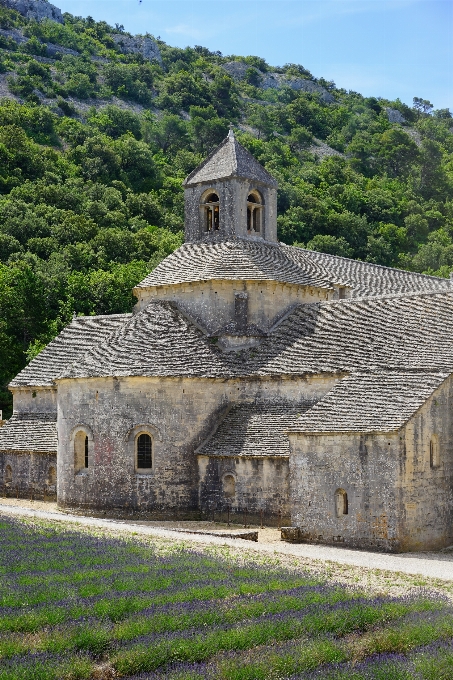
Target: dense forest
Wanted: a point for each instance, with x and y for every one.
(96, 139)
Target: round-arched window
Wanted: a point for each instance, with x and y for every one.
(144, 451)
(229, 486)
(254, 212)
(341, 502)
(211, 210)
(8, 474)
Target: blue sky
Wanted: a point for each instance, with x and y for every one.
(388, 48)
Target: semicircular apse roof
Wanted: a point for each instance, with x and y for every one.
(238, 259)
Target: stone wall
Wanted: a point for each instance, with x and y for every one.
(426, 492)
(211, 303)
(29, 472)
(396, 499)
(35, 400)
(178, 413)
(364, 466)
(261, 484)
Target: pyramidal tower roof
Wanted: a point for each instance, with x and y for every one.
(230, 159)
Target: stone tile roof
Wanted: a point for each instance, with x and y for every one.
(239, 259)
(30, 432)
(79, 336)
(400, 333)
(374, 279)
(158, 341)
(380, 402)
(230, 159)
(256, 429)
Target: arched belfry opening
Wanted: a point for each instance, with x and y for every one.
(254, 212)
(211, 211)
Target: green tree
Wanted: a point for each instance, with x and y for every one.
(397, 152)
(333, 245)
(207, 130)
(169, 133)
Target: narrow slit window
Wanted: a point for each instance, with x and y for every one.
(434, 452)
(8, 474)
(52, 476)
(144, 452)
(81, 451)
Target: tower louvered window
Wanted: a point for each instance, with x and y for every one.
(212, 212)
(254, 212)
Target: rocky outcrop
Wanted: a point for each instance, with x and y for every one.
(238, 70)
(394, 116)
(138, 44)
(323, 150)
(19, 38)
(13, 34)
(54, 50)
(278, 80)
(35, 9)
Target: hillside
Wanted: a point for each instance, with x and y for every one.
(98, 128)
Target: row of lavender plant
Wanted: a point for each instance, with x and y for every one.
(316, 660)
(128, 604)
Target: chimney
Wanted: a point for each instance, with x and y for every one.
(241, 303)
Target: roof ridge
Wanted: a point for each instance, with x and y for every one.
(259, 260)
(206, 160)
(100, 316)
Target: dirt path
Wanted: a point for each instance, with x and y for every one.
(430, 565)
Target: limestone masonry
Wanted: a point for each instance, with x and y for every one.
(303, 387)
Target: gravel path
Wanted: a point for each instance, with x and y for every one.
(431, 565)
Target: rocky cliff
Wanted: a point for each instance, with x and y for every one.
(239, 69)
(138, 44)
(35, 9)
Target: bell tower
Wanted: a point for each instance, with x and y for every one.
(230, 195)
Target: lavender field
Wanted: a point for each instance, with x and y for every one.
(75, 605)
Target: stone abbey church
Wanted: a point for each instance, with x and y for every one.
(251, 374)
